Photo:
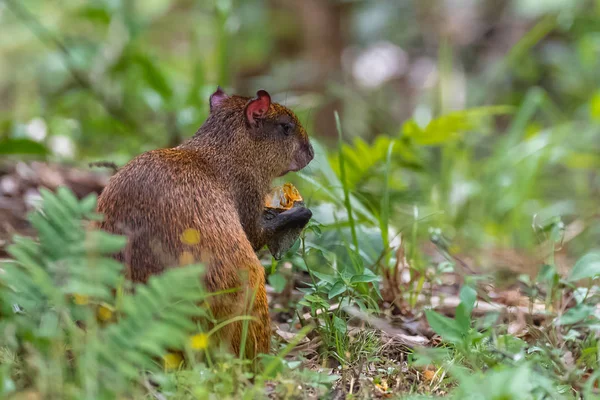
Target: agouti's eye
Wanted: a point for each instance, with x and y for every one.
(286, 127)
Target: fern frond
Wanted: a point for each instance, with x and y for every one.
(62, 276)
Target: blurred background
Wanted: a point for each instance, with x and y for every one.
(483, 115)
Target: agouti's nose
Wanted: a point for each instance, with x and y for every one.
(311, 152)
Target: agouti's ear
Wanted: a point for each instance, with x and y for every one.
(257, 107)
(217, 98)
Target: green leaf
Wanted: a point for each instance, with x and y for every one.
(367, 161)
(315, 228)
(324, 277)
(88, 203)
(338, 288)
(295, 247)
(575, 314)
(273, 365)
(468, 296)
(587, 266)
(93, 13)
(385, 202)
(339, 324)
(451, 126)
(104, 242)
(154, 76)
(332, 187)
(547, 274)
(364, 278)
(595, 107)
(447, 328)
(22, 147)
(463, 318)
(313, 300)
(511, 344)
(278, 282)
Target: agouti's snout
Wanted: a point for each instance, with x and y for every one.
(311, 152)
(302, 158)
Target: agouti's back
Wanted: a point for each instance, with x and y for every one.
(155, 198)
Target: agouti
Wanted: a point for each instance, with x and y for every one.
(213, 185)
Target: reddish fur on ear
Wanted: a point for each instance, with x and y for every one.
(217, 98)
(258, 107)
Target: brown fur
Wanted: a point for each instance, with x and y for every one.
(214, 183)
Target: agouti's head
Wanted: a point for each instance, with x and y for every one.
(257, 133)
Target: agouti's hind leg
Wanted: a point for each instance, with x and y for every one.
(257, 334)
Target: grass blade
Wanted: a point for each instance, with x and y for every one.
(347, 202)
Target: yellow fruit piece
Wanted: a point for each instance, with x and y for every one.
(80, 299)
(172, 360)
(283, 197)
(190, 236)
(104, 313)
(428, 374)
(199, 341)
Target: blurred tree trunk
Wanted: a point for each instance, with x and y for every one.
(308, 33)
(318, 43)
(322, 35)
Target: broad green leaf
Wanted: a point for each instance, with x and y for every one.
(451, 126)
(104, 243)
(575, 314)
(154, 76)
(277, 281)
(511, 344)
(468, 296)
(339, 324)
(22, 147)
(94, 13)
(581, 160)
(275, 365)
(587, 266)
(595, 107)
(364, 278)
(88, 203)
(463, 318)
(366, 162)
(315, 228)
(447, 328)
(324, 277)
(295, 247)
(547, 274)
(338, 288)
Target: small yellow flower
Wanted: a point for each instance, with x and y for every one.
(80, 299)
(104, 313)
(190, 236)
(186, 258)
(199, 341)
(172, 360)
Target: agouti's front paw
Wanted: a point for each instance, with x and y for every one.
(284, 218)
(285, 228)
(296, 217)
